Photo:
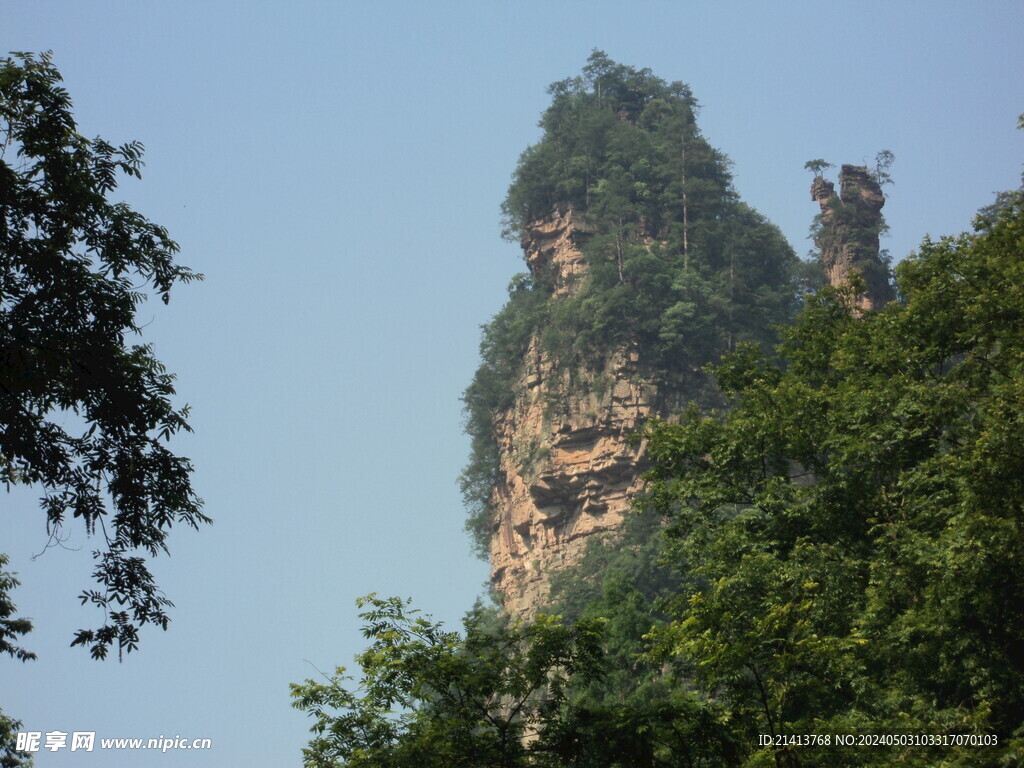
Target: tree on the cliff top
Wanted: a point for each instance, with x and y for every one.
(84, 415)
(883, 161)
(818, 166)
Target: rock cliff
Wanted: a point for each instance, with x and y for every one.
(568, 468)
(849, 227)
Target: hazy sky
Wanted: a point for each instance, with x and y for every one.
(336, 169)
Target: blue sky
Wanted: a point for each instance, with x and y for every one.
(336, 169)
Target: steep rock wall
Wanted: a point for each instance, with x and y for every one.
(568, 467)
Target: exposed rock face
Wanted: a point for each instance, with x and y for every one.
(848, 238)
(568, 467)
(554, 244)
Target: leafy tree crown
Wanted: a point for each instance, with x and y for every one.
(74, 268)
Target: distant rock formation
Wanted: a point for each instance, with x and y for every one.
(850, 225)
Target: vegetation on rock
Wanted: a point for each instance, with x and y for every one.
(677, 265)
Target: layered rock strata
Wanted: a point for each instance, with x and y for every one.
(569, 468)
(848, 236)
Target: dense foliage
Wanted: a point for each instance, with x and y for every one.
(429, 697)
(856, 518)
(495, 696)
(83, 414)
(677, 265)
(676, 262)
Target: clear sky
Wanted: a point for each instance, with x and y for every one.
(336, 169)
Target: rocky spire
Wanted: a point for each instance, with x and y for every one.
(847, 237)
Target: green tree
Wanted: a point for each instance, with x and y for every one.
(11, 628)
(883, 162)
(74, 268)
(430, 697)
(498, 696)
(817, 167)
(852, 525)
(10, 755)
